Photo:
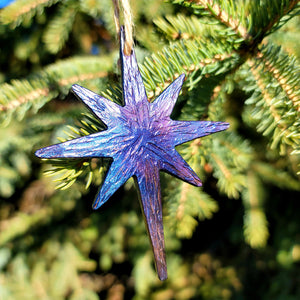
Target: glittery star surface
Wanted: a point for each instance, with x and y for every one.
(141, 139)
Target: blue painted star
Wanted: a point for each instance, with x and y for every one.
(141, 139)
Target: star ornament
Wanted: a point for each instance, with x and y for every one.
(141, 139)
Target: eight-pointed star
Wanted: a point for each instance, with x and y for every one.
(141, 139)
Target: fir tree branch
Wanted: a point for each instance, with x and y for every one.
(189, 57)
(252, 23)
(219, 13)
(223, 11)
(284, 9)
(79, 69)
(268, 17)
(239, 150)
(284, 76)
(93, 9)
(13, 15)
(59, 28)
(283, 120)
(275, 176)
(255, 221)
(21, 223)
(31, 95)
(185, 27)
(268, 98)
(67, 172)
(223, 168)
(54, 273)
(21, 95)
(189, 204)
(182, 201)
(186, 204)
(81, 78)
(230, 180)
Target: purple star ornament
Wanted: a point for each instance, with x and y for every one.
(141, 139)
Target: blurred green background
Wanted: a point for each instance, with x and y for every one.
(235, 238)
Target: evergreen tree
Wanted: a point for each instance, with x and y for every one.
(241, 61)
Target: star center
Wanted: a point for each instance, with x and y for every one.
(141, 137)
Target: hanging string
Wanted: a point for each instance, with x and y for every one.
(117, 15)
(128, 23)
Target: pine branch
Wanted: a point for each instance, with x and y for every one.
(32, 93)
(228, 155)
(229, 181)
(59, 28)
(187, 203)
(149, 39)
(218, 99)
(225, 12)
(192, 57)
(15, 16)
(275, 176)
(250, 22)
(284, 69)
(185, 27)
(21, 223)
(270, 16)
(15, 163)
(238, 149)
(21, 95)
(68, 171)
(93, 8)
(226, 166)
(277, 104)
(255, 221)
(55, 272)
